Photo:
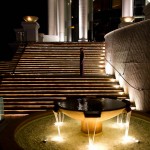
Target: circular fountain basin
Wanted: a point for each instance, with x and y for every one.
(37, 132)
(91, 111)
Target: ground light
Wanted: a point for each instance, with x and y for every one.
(122, 122)
(42, 133)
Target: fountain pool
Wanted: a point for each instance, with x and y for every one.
(40, 133)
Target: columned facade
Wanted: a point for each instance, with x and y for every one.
(69, 24)
(60, 23)
(56, 20)
(52, 17)
(61, 20)
(127, 12)
(90, 31)
(59, 15)
(83, 20)
(127, 8)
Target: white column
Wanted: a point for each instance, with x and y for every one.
(52, 17)
(127, 13)
(61, 15)
(83, 20)
(90, 20)
(127, 8)
(69, 29)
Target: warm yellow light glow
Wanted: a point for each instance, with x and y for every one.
(98, 146)
(91, 147)
(101, 66)
(101, 62)
(121, 125)
(118, 125)
(57, 139)
(117, 76)
(58, 123)
(72, 27)
(116, 86)
(121, 93)
(101, 58)
(30, 18)
(101, 71)
(108, 69)
(129, 139)
(121, 81)
(133, 108)
(127, 19)
(113, 80)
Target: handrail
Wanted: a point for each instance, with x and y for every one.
(22, 51)
(130, 38)
(125, 79)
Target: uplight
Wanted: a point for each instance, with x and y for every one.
(99, 146)
(116, 86)
(121, 93)
(57, 138)
(58, 123)
(129, 139)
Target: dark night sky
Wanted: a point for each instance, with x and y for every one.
(15, 10)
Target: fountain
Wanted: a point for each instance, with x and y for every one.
(92, 112)
(90, 122)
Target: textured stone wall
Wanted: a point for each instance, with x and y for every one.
(146, 11)
(128, 52)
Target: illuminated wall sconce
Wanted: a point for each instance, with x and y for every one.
(127, 19)
(30, 18)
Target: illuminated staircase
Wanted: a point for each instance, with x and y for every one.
(41, 73)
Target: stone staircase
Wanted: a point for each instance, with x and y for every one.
(41, 73)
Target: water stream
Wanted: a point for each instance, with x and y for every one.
(59, 117)
(91, 136)
(128, 116)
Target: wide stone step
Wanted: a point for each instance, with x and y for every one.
(30, 106)
(60, 78)
(66, 44)
(57, 91)
(42, 73)
(56, 58)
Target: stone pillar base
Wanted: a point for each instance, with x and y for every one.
(83, 40)
(31, 31)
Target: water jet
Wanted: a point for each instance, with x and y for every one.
(30, 133)
(92, 111)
